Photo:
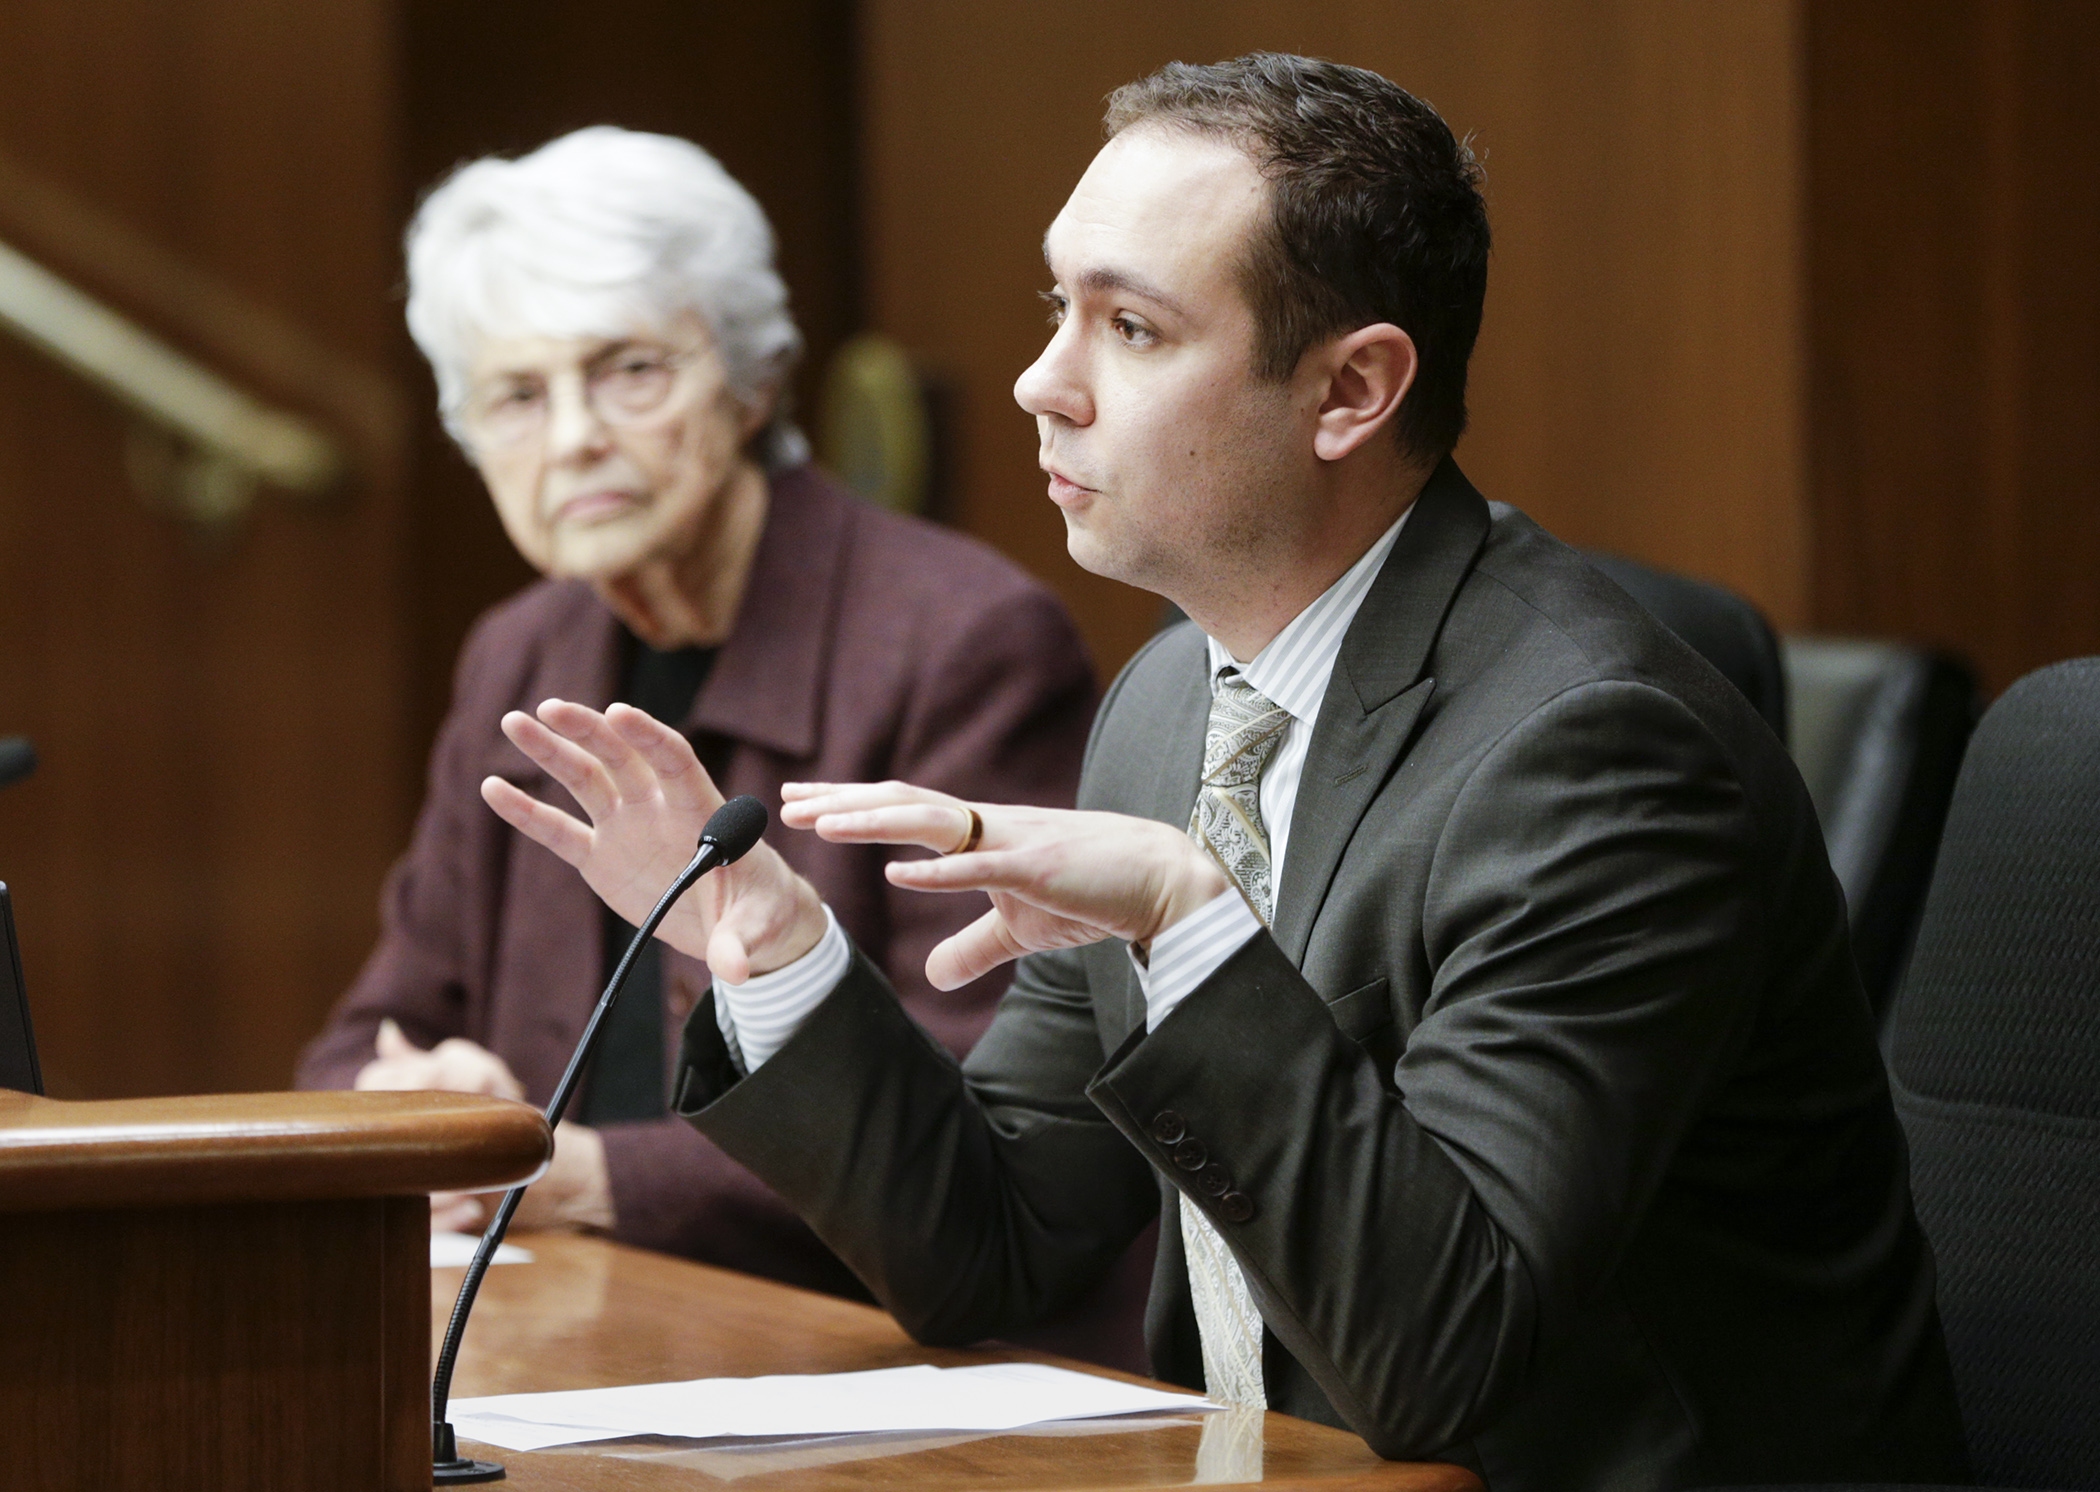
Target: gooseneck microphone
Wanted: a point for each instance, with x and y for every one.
(731, 831)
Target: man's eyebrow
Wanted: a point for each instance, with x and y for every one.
(1105, 279)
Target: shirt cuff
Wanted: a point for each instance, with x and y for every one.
(758, 1016)
(1191, 951)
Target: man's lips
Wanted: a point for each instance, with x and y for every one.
(1063, 490)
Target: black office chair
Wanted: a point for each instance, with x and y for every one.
(1878, 730)
(1996, 1067)
(1720, 626)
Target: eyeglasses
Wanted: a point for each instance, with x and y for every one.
(622, 387)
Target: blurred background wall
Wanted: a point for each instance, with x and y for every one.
(1800, 297)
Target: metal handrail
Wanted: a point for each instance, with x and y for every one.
(240, 439)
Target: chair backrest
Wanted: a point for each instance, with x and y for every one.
(1878, 730)
(1996, 1062)
(1717, 624)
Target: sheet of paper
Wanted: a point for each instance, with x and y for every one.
(456, 1251)
(998, 1396)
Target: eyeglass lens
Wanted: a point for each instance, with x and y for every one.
(618, 390)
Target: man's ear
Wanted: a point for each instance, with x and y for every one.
(1369, 373)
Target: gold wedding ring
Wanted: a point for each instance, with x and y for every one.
(976, 833)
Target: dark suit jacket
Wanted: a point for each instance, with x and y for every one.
(1721, 627)
(868, 646)
(1553, 1100)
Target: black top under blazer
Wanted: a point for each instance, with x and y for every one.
(1548, 1125)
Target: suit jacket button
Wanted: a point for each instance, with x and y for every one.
(1235, 1207)
(1190, 1155)
(1214, 1180)
(1168, 1128)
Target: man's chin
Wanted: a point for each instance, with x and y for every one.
(1097, 554)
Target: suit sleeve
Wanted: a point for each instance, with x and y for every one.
(973, 1200)
(1415, 1238)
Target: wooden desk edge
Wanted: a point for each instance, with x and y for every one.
(240, 1147)
(661, 1277)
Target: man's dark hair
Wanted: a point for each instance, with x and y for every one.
(1375, 214)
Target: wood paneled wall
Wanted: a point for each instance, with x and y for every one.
(220, 723)
(1638, 384)
(234, 731)
(1954, 273)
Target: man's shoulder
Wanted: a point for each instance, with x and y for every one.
(1536, 618)
(1539, 640)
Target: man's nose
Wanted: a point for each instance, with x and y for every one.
(1055, 384)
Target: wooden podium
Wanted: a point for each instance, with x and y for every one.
(230, 1292)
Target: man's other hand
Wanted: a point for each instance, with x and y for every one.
(454, 1065)
(1058, 878)
(647, 798)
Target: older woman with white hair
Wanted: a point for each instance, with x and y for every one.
(611, 343)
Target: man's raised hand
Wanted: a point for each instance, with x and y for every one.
(1057, 878)
(647, 798)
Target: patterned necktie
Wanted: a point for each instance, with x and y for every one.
(1245, 730)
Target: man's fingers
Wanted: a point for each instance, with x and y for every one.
(631, 776)
(1017, 871)
(541, 822)
(728, 959)
(940, 827)
(972, 953)
(802, 803)
(683, 781)
(564, 761)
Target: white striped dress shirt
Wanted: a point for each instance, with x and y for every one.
(1292, 671)
(758, 1017)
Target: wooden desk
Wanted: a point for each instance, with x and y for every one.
(592, 1314)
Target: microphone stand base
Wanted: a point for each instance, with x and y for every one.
(449, 1468)
(453, 1473)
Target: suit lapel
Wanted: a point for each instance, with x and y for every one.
(1159, 710)
(1377, 692)
(1176, 765)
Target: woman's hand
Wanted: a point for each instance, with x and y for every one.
(647, 798)
(1057, 878)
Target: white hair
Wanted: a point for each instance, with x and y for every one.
(597, 234)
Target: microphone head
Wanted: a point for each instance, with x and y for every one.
(17, 758)
(734, 828)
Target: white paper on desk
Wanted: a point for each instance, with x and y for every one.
(456, 1251)
(998, 1396)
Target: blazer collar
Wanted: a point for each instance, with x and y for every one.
(767, 685)
(1377, 691)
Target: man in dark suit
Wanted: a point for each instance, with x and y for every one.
(1447, 949)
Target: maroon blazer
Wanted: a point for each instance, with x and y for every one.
(869, 646)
